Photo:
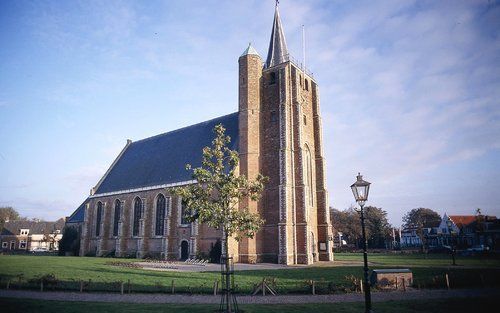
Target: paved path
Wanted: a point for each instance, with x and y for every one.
(206, 299)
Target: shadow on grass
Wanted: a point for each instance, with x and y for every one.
(454, 305)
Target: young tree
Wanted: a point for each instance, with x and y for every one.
(215, 197)
(418, 219)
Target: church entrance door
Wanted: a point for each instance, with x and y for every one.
(184, 250)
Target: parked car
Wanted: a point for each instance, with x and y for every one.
(439, 249)
(479, 248)
(40, 249)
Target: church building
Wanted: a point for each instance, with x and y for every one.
(277, 132)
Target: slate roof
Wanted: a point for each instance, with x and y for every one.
(278, 51)
(78, 215)
(162, 159)
(249, 50)
(12, 227)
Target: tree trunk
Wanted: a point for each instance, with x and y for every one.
(225, 256)
(228, 282)
(224, 243)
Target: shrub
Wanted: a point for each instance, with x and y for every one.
(215, 252)
(70, 242)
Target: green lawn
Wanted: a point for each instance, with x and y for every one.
(476, 305)
(412, 260)
(428, 273)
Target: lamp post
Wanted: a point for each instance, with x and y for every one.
(360, 190)
(452, 244)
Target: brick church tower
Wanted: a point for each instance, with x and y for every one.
(280, 136)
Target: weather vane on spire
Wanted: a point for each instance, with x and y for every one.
(277, 2)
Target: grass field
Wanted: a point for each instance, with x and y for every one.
(428, 273)
(412, 260)
(476, 305)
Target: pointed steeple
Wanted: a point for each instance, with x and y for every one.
(249, 50)
(278, 52)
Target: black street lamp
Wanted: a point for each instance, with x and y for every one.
(360, 190)
(453, 247)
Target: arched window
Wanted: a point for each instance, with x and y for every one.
(160, 215)
(184, 220)
(307, 84)
(116, 220)
(98, 219)
(308, 176)
(272, 78)
(274, 116)
(137, 216)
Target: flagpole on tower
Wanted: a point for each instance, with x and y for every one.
(303, 48)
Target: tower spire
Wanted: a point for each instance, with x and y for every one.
(278, 52)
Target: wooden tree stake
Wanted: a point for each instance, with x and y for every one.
(447, 281)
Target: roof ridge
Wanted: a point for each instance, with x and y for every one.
(185, 127)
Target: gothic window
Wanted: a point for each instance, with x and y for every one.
(116, 220)
(98, 219)
(272, 78)
(160, 215)
(274, 116)
(307, 84)
(137, 216)
(184, 220)
(308, 176)
(305, 120)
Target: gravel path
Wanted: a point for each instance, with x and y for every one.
(206, 299)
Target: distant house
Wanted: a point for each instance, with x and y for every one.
(31, 236)
(461, 231)
(410, 237)
(467, 231)
(451, 227)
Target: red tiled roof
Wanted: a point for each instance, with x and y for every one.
(462, 220)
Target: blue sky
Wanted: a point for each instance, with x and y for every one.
(409, 92)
